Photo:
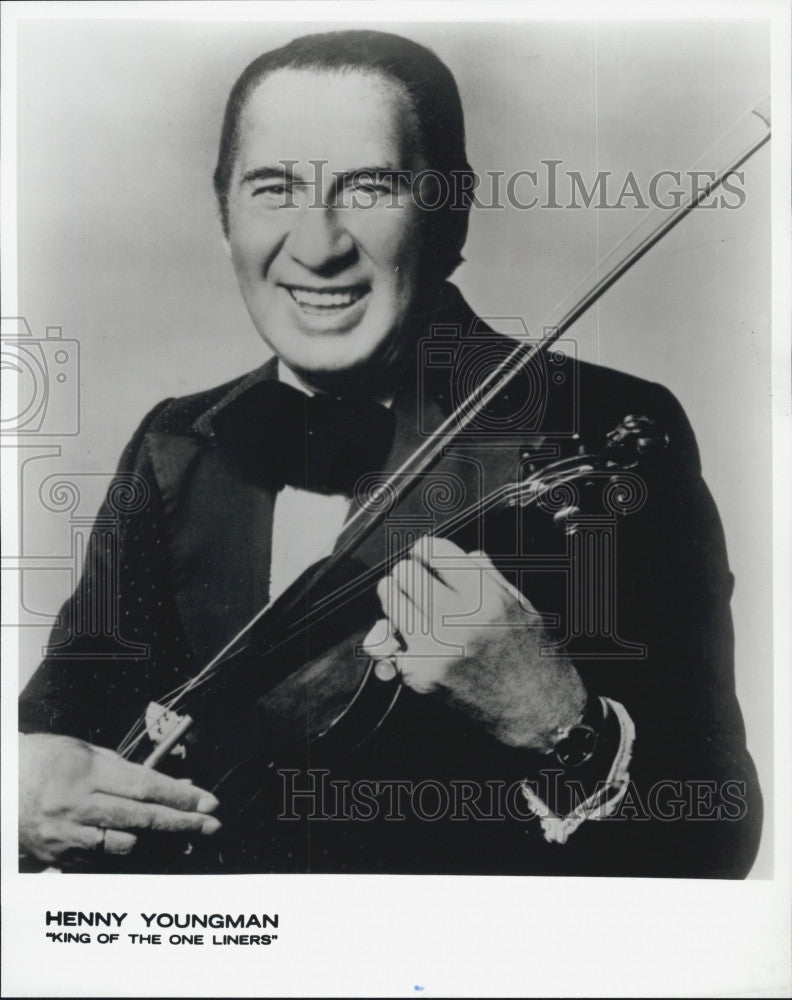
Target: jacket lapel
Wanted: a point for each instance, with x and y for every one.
(468, 470)
(219, 524)
(219, 529)
(464, 473)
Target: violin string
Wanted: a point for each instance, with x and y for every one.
(490, 387)
(169, 700)
(395, 485)
(563, 471)
(524, 353)
(567, 470)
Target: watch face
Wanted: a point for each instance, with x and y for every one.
(577, 747)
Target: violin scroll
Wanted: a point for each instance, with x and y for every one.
(567, 488)
(635, 438)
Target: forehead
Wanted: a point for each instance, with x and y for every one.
(348, 119)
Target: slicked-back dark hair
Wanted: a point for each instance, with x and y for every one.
(434, 100)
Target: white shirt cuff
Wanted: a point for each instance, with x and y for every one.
(605, 799)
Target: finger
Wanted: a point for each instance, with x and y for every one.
(381, 644)
(385, 670)
(431, 550)
(460, 571)
(75, 836)
(482, 558)
(434, 545)
(413, 596)
(119, 842)
(494, 574)
(491, 573)
(420, 673)
(392, 600)
(120, 777)
(93, 838)
(116, 813)
(397, 606)
(100, 841)
(381, 641)
(97, 839)
(419, 586)
(383, 595)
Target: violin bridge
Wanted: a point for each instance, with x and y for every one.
(164, 727)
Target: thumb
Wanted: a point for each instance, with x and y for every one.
(381, 644)
(381, 641)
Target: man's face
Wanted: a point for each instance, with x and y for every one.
(327, 255)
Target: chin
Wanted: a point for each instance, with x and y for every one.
(331, 354)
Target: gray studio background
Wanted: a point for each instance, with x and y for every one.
(119, 245)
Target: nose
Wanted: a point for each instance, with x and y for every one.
(318, 240)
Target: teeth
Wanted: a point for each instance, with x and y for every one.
(325, 300)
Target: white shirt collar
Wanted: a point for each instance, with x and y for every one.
(288, 377)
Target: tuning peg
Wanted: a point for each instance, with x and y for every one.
(636, 435)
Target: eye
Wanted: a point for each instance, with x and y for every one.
(274, 192)
(366, 190)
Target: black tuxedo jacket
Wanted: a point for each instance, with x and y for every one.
(188, 563)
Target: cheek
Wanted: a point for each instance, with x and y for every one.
(244, 257)
(392, 239)
(253, 247)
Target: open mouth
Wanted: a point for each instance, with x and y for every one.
(327, 300)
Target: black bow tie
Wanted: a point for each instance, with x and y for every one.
(278, 435)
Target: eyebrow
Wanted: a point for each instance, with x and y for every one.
(265, 174)
(341, 176)
(381, 171)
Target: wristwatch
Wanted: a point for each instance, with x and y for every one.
(578, 744)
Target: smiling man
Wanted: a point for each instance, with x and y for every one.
(520, 741)
(328, 252)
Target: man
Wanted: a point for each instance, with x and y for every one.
(548, 748)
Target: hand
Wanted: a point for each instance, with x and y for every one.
(75, 797)
(463, 631)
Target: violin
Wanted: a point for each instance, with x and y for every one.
(293, 684)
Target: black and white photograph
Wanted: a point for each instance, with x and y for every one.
(394, 438)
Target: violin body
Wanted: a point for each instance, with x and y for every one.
(300, 693)
(299, 690)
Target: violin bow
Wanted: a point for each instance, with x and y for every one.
(745, 138)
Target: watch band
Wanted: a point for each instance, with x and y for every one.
(604, 800)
